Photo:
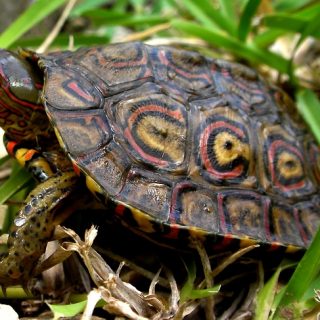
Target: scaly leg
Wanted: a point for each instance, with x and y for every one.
(45, 207)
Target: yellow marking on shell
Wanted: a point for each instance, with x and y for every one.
(197, 233)
(292, 249)
(164, 136)
(60, 140)
(289, 171)
(247, 242)
(243, 213)
(224, 155)
(93, 186)
(143, 220)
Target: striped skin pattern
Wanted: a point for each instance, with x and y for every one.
(181, 146)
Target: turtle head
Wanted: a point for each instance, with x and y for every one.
(22, 115)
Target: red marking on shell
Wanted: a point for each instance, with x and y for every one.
(174, 231)
(274, 246)
(303, 235)
(74, 86)
(120, 209)
(266, 208)
(172, 113)
(221, 213)
(238, 83)
(176, 114)
(271, 156)
(131, 63)
(227, 239)
(174, 210)
(188, 75)
(205, 157)
(76, 168)
(155, 160)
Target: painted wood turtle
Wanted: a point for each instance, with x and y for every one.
(184, 146)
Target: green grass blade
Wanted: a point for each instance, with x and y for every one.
(265, 297)
(203, 293)
(196, 10)
(18, 179)
(233, 45)
(294, 24)
(188, 292)
(4, 159)
(86, 5)
(310, 28)
(209, 16)
(69, 310)
(304, 276)
(36, 12)
(309, 106)
(268, 37)
(113, 18)
(62, 41)
(246, 18)
(289, 5)
(228, 9)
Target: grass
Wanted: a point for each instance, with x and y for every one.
(245, 29)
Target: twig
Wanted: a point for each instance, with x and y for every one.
(56, 29)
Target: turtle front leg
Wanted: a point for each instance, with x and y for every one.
(45, 207)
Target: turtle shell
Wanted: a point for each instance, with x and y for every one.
(186, 145)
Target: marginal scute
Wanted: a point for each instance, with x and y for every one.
(308, 214)
(82, 132)
(108, 166)
(194, 206)
(243, 214)
(148, 194)
(285, 225)
(66, 89)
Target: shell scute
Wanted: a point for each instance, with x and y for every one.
(285, 224)
(155, 129)
(241, 87)
(148, 193)
(82, 132)
(243, 213)
(120, 67)
(193, 205)
(284, 163)
(186, 70)
(224, 148)
(66, 89)
(308, 216)
(108, 166)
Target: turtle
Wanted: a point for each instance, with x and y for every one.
(179, 146)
